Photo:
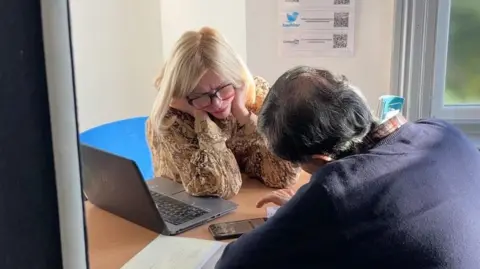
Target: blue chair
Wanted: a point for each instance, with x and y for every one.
(125, 138)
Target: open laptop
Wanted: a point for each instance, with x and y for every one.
(114, 183)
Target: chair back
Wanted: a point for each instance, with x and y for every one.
(125, 138)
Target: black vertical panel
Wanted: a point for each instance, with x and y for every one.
(29, 228)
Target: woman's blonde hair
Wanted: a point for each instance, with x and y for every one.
(195, 53)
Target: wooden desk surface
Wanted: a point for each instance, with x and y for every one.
(112, 241)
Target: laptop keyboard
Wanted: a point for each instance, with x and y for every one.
(174, 211)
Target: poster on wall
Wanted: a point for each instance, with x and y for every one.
(316, 28)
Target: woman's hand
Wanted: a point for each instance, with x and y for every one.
(279, 197)
(239, 110)
(184, 106)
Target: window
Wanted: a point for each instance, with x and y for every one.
(437, 60)
(462, 85)
(456, 88)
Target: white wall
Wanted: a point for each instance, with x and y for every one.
(228, 16)
(117, 48)
(369, 69)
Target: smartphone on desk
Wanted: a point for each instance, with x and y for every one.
(234, 229)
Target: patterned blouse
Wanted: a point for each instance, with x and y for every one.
(208, 156)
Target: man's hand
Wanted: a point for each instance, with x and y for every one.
(279, 197)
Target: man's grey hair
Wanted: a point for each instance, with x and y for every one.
(311, 111)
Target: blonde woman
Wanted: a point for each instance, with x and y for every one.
(202, 129)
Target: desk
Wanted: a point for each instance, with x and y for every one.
(112, 241)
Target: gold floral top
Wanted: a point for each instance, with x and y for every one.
(208, 156)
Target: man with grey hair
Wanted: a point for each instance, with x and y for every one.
(392, 194)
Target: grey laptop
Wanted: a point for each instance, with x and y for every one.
(115, 184)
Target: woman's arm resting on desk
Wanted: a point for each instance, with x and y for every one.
(261, 163)
(206, 168)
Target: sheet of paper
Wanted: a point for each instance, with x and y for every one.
(210, 264)
(271, 210)
(177, 253)
(316, 28)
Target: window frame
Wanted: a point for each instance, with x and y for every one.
(64, 129)
(419, 64)
(463, 113)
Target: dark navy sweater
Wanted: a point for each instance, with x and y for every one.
(412, 201)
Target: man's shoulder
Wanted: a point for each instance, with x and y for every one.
(434, 143)
(438, 124)
(353, 181)
(434, 122)
(443, 133)
(339, 176)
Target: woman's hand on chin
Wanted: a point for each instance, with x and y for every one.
(184, 106)
(239, 110)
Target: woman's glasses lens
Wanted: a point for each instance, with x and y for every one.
(226, 92)
(202, 102)
(206, 100)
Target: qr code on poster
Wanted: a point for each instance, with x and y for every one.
(340, 41)
(340, 19)
(341, 2)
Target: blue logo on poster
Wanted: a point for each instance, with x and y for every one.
(291, 19)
